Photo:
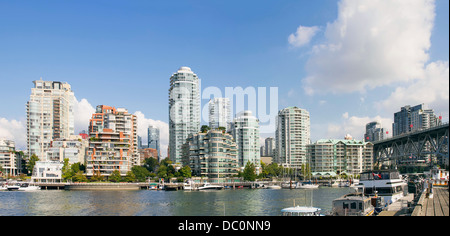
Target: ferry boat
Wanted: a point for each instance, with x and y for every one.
(386, 183)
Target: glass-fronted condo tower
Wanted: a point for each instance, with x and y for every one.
(245, 131)
(184, 110)
(50, 115)
(219, 113)
(153, 139)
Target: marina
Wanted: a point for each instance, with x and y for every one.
(380, 192)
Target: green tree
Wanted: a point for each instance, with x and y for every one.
(115, 176)
(97, 177)
(185, 172)
(151, 164)
(31, 163)
(80, 177)
(249, 173)
(204, 128)
(162, 171)
(130, 177)
(67, 172)
(140, 173)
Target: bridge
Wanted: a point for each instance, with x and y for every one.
(420, 148)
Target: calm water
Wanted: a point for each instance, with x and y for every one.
(243, 202)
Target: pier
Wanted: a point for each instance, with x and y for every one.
(435, 206)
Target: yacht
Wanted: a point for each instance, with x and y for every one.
(22, 187)
(308, 185)
(386, 183)
(208, 186)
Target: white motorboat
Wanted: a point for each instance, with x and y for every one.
(22, 187)
(273, 186)
(301, 211)
(208, 186)
(385, 183)
(308, 186)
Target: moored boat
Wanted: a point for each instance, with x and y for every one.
(208, 186)
(385, 183)
(352, 204)
(301, 211)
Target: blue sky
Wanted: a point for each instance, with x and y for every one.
(122, 53)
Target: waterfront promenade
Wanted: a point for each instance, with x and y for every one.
(436, 206)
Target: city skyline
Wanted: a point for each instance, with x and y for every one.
(132, 49)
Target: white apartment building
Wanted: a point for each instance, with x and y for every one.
(8, 158)
(219, 113)
(50, 115)
(245, 131)
(184, 110)
(47, 172)
(74, 149)
(291, 137)
(329, 157)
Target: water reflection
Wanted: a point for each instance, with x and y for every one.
(257, 202)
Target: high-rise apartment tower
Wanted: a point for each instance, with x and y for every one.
(184, 110)
(50, 115)
(291, 137)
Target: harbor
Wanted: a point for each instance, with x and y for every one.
(422, 201)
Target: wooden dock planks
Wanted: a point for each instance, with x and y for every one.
(438, 205)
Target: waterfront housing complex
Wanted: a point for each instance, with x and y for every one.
(50, 115)
(329, 157)
(184, 110)
(113, 143)
(8, 157)
(212, 155)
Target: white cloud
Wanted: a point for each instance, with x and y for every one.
(432, 89)
(355, 126)
(83, 111)
(143, 124)
(14, 130)
(372, 43)
(303, 36)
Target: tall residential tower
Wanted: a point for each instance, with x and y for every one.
(245, 131)
(219, 113)
(50, 115)
(184, 110)
(291, 137)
